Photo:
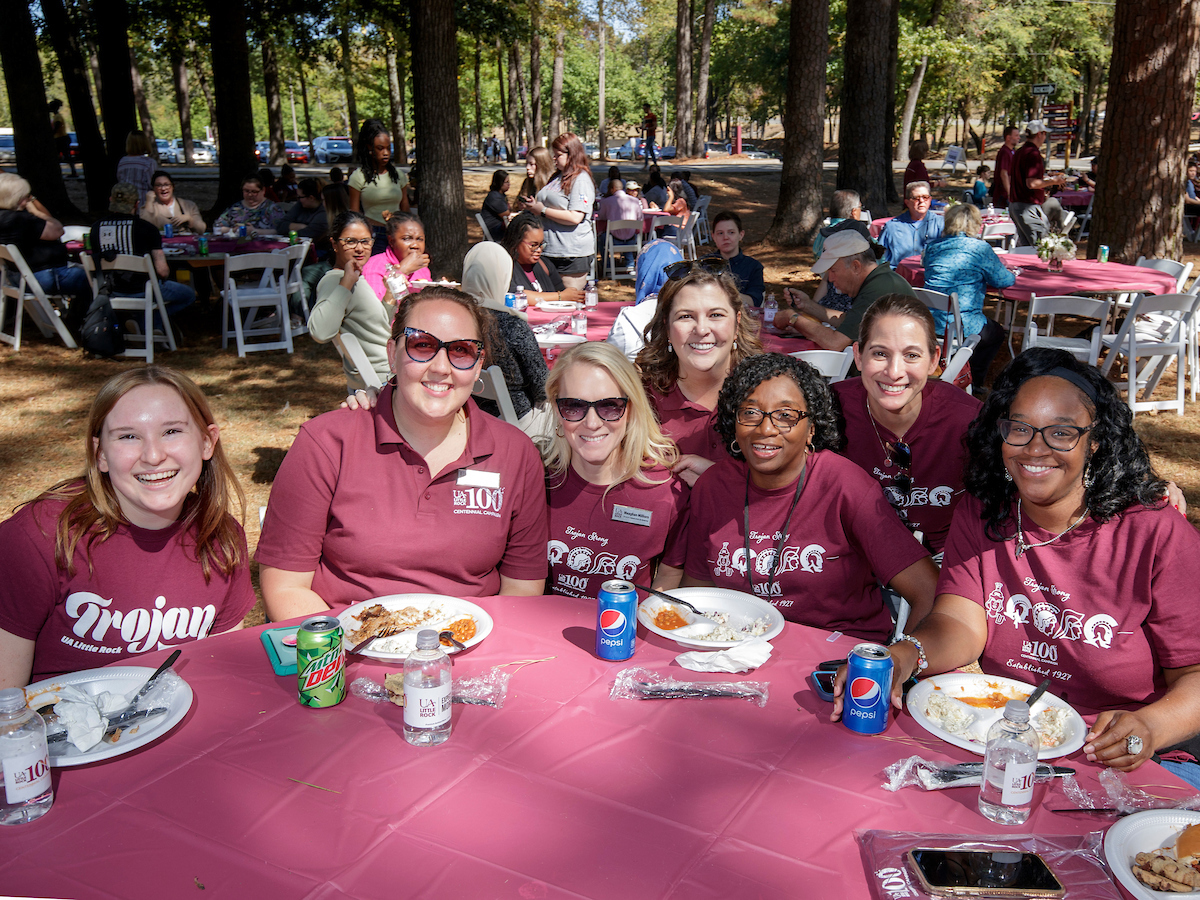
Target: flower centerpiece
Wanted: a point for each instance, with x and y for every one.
(1055, 248)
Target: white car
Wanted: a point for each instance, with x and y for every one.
(200, 152)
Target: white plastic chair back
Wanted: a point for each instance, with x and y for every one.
(1085, 221)
(349, 347)
(703, 229)
(685, 238)
(297, 253)
(1084, 349)
(487, 235)
(18, 285)
(246, 300)
(958, 361)
(832, 364)
(1177, 270)
(999, 233)
(1162, 328)
(146, 304)
(948, 304)
(614, 246)
(491, 386)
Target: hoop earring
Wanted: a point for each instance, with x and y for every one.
(478, 385)
(734, 448)
(558, 430)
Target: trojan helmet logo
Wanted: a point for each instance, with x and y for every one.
(812, 558)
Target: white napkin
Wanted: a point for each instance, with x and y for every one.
(741, 658)
(85, 716)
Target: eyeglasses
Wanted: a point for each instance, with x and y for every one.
(541, 245)
(921, 198)
(785, 419)
(421, 346)
(1056, 437)
(610, 409)
(716, 265)
(353, 243)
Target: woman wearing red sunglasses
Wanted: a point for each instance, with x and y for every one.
(423, 493)
(615, 507)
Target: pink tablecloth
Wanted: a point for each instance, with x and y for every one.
(1074, 198)
(1086, 276)
(600, 317)
(876, 226)
(562, 793)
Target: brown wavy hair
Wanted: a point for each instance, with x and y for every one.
(577, 161)
(658, 365)
(482, 317)
(93, 510)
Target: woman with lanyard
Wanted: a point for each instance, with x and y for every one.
(793, 522)
(377, 186)
(422, 493)
(1066, 561)
(902, 425)
(697, 335)
(565, 205)
(615, 507)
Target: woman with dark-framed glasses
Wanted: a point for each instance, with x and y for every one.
(1066, 562)
(422, 493)
(615, 508)
(346, 301)
(902, 425)
(784, 517)
(698, 334)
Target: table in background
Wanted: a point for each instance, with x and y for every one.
(562, 793)
(1075, 198)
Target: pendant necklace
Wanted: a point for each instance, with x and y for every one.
(1024, 546)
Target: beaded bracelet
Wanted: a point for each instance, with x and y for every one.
(922, 659)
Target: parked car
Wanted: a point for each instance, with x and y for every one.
(295, 152)
(328, 149)
(471, 153)
(210, 147)
(749, 151)
(165, 152)
(714, 148)
(631, 149)
(200, 152)
(8, 149)
(667, 152)
(262, 151)
(592, 150)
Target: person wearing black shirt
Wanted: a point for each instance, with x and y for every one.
(495, 205)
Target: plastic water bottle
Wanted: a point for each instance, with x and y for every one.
(991, 208)
(521, 301)
(427, 688)
(1009, 765)
(590, 295)
(396, 283)
(579, 322)
(770, 307)
(28, 792)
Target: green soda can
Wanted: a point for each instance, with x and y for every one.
(321, 662)
(1103, 256)
(293, 238)
(87, 241)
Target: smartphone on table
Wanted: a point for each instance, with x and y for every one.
(983, 873)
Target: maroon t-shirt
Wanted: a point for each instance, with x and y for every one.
(596, 536)
(1004, 162)
(688, 424)
(939, 453)
(145, 591)
(354, 504)
(843, 540)
(1101, 611)
(1027, 163)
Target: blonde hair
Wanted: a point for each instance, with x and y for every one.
(13, 189)
(93, 510)
(644, 445)
(963, 218)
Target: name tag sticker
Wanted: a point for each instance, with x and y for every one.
(476, 478)
(631, 515)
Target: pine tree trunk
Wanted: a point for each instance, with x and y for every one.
(231, 58)
(479, 103)
(889, 129)
(278, 153)
(556, 82)
(393, 77)
(710, 13)
(514, 65)
(798, 214)
(436, 104)
(863, 133)
(1151, 85)
(308, 129)
(183, 102)
(601, 124)
(683, 76)
(206, 90)
(513, 118)
(111, 18)
(347, 62)
(139, 96)
(535, 70)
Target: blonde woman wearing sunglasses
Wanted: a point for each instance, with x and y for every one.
(615, 507)
(425, 492)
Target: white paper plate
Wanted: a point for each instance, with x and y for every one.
(118, 680)
(175, 251)
(558, 306)
(962, 684)
(1141, 833)
(560, 340)
(742, 608)
(453, 607)
(422, 283)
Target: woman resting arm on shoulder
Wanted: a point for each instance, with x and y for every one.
(138, 553)
(612, 494)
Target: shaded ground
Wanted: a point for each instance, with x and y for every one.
(261, 401)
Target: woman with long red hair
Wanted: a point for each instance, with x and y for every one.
(565, 204)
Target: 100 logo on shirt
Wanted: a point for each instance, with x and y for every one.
(479, 501)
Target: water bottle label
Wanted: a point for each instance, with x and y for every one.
(426, 707)
(26, 776)
(1018, 783)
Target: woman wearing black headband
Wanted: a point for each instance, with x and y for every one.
(1066, 562)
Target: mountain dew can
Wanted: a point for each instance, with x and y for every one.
(321, 662)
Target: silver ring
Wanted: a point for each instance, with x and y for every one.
(1133, 745)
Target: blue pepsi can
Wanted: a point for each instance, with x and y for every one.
(168, 230)
(510, 300)
(616, 620)
(868, 693)
(241, 231)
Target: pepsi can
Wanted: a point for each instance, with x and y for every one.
(868, 689)
(616, 620)
(169, 230)
(510, 300)
(241, 231)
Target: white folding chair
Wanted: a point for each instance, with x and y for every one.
(1157, 327)
(296, 254)
(244, 301)
(1085, 220)
(832, 364)
(614, 246)
(18, 284)
(150, 300)
(958, 361)
(948, 304)
(703, 229)
(1084, 349)
(491, 386)
(349, 348)
(1177, 270)
(685, 238)
(1000, 234)
(487, 235)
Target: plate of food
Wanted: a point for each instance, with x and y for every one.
(560, 340)
(960, 707)
(558, 306)
(424, 283)
(1155, 853)
(730, 617)
(119, 683)
(175, 251)
(410, 613)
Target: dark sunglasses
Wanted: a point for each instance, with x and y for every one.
(610, 409)
(715, 265)
(421, 346)
(901, 454)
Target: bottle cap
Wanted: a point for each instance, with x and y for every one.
(1014, 710)
(427, 639)
(11, 700)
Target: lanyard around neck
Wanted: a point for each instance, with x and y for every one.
(783, 534)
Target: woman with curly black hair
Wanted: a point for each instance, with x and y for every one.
(1066, 562)
(790, 520)
(377, 186)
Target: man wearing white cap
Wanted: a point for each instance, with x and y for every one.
(1027, 188)
(851, 264)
